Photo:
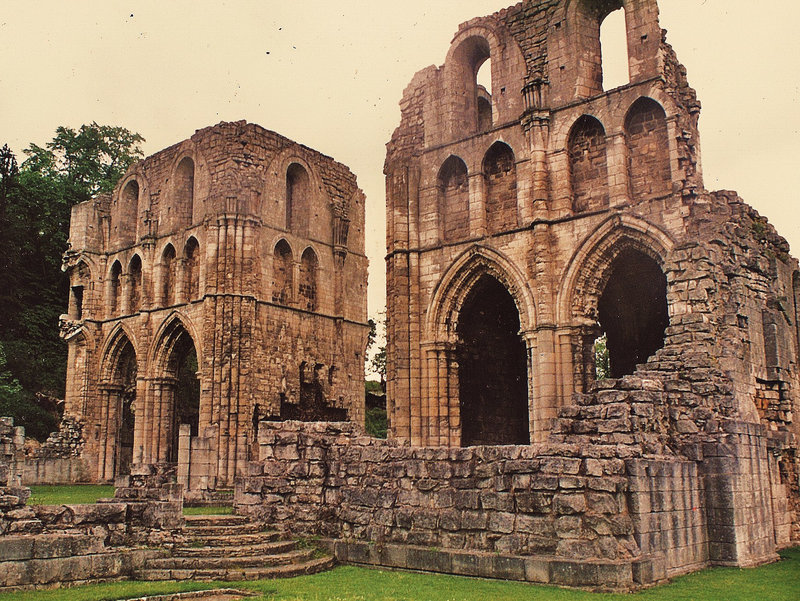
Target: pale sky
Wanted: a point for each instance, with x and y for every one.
(330, 75)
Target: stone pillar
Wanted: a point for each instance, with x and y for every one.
(184, 454)
(617, 165)
(477, 205)
(124, 302)
(110, 401)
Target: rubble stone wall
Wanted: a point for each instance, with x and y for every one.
(658, 514)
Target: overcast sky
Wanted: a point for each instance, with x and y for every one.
(330, 75)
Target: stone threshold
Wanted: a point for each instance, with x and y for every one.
(605, 575)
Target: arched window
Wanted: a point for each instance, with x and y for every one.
(588, 165)
(473, 73)
(134, 284)
(492, 368)
(127, 215)
(191, 253)
(282, 273)
(500, 171)
(168, 276)
(648, 150)
(298, 189)
(454, 199)
(307, 288)
(614, 50)
(80, 281)
(633, 311)
(183, 203)
(114, 292)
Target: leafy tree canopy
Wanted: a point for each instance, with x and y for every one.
(91, 159)
(35, 203)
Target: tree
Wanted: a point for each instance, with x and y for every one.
(376, 357)
(35, 204)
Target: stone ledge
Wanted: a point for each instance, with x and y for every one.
(539, 569)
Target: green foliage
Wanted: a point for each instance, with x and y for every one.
(373, 386)
(210, 510)
(375, 422)
(602, 363)
(35, 204)
(21, 405)
(78, 494)
(376, 357)
(775, 582)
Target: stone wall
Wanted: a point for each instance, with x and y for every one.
(650, 514)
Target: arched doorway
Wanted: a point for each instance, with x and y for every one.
(126, 376)
(117, 408)
(633, 311)
(177, 388)
(492, 368)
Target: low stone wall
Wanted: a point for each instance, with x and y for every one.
(555, 507)
(53, 470)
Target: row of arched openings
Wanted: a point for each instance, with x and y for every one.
(177, 362)
(492, 357)
(283, 277)
(177, 211)
(500, 176)
(647, 143)
(177, 280)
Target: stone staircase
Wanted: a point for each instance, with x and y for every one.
(230, 548)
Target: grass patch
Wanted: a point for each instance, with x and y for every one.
(776, 582)
(73, 494)
(212, 510)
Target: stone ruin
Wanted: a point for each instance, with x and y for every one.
(529, 226)
(592, 359)
(222, 282)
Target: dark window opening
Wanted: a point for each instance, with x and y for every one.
(77, 302)
(135, 284)
(168, 275)
(282, 273)
(192, 282)
(633, 311)
(492, 368)
(307, 288)
(126, 377)
(114, 289)
(187, 390)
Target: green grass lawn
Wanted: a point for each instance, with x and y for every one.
(77, 494)
(776, 582)
(213, 510)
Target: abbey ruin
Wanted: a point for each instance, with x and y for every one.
(592, 359)
(223, 282)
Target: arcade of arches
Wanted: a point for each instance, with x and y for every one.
(238, 296)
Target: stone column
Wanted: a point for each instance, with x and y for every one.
(477, 204)
(110, 401)
(617, 167)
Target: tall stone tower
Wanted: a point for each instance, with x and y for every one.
(223, 282)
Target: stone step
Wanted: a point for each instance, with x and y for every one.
(282, 571)
(193, 521)
(235, 530)
(228, 563)
(227, 540)
(265, 548)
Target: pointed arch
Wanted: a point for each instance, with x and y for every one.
(114, 291)
(282, 273)
(454, 286)
(307, 286)
(114, 344)
(183, 193)
(647, 139)
(135, 295)
(175, 360)
(588, 164)
(168, 265)
(453, 192)
(191, 276)
(589, 267)
(500, 172)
